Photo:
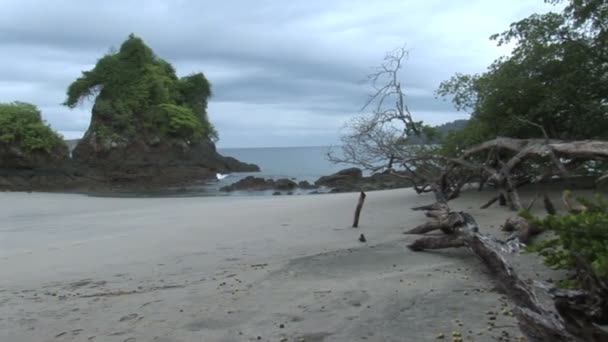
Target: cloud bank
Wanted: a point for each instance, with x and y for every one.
(283, 73)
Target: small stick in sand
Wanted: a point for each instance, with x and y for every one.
(358, 210)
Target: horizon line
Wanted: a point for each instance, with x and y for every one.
(292, 146)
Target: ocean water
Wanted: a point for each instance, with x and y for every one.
(298, 163)
(302, 163)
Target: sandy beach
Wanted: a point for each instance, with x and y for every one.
(78, 268)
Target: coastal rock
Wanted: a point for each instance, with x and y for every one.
(285, 184)
(148, 126)
(250, 183)
(38, 160)
(167, 156)
(381, 181)
(347, 178)
(26, 142)
(352, 179)
(305, 185)
(13, 157)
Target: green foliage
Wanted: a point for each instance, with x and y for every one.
(556, 76)
(578, 237)
(132, 86)
(178, 121)
(21, 125)
(429, 133)
(459, 139)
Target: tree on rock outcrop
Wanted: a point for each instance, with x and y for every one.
(140, 101)
(25, 140)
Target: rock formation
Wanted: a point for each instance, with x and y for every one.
(352, 179)
(32, 155)
(147, 124)
(251, 183)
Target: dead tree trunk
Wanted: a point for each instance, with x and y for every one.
(358, 209)
(573, 314)
(569, 320)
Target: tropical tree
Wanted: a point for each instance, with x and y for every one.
(556, 78)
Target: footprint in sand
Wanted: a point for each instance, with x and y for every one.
(128, 317)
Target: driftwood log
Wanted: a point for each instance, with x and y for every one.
(505, 164)
(522, 229)
(358, 209)
(572, 316)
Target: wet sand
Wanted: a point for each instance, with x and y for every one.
(77, 268)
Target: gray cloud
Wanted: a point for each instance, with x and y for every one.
(283, 73)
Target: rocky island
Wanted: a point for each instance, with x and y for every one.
(32, 155)
(149, 130)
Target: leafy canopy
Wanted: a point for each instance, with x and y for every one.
(21, 125)
(136, 91)
(556, 76)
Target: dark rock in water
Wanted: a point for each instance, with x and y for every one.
(250, 183)
(352, 180)
(380, 181)
(133, 159)
(43, 170)
(276, 193)
(347, 179)
(351, 172)
(285, 184)
(305, 185)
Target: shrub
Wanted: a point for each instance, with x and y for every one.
(21, 125)
(178, 121)
(580, 237)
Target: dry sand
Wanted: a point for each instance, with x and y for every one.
(77, 268)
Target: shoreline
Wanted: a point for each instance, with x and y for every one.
(180, 269)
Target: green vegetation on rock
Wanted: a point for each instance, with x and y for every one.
(21, 126)
(178, 121)
(580, 239)
(138, 93)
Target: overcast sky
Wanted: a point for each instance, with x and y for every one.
(284, 73)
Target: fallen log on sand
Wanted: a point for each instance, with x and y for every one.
(570, 319)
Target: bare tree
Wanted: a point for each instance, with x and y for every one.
(381, 139)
